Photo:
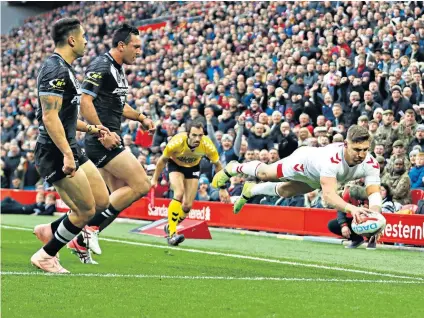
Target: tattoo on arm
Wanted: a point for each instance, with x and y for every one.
(51, 103)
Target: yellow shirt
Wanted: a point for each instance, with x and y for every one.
(178, 150)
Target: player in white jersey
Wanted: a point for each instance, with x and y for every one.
(310, 168)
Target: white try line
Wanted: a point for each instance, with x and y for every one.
(252, 258)
(277, 279)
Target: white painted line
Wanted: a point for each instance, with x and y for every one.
(252, 258)
(278, 279)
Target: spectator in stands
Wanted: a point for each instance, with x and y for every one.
(44, 205)
(203, 192)
(386, 134)
(313, 200)
(388, 205)
(259, 138)
(398, 153)
(416, 174)
(419, 138)
(27, 172)
(398, 180)
(129, 144)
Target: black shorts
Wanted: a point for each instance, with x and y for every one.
(82, 155)
(49, 161)
(189, 173)
(98, 154)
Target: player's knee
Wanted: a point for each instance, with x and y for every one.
(141, 189)
(264, 174)
(102, 203)
(85, 210)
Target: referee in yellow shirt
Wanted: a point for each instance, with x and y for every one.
(183, 154)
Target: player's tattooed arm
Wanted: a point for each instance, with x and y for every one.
(50, 102)
(51, 106)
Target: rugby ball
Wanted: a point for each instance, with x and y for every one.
(371, 224)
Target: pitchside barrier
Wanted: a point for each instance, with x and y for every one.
(407, 229)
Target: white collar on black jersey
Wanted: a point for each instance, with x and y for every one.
(116, 64)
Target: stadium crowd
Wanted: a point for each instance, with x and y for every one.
(263, 77)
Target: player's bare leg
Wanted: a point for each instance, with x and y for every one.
(281, 189)
(77, 194)
(175, 208)
(133, 185)
(88, 239)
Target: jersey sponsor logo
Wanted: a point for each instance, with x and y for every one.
(373, 164)
(336, 159)
(58, 83)
(187, 159)
(94, 76)
(120, 91)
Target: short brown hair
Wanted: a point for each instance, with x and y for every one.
(357, 134)
(195, 124)
(410, 111)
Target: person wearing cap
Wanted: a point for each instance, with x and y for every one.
(418, 140)
(386, 134)
(398, 180)
(407, 127)
(399, 152)
(397, 103)
(363, 121)
(416, 174)
(382, 163)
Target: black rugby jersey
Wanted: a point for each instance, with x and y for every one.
(105, 80)
(57, 78)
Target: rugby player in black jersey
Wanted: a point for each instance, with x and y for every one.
(103, 102)
(57, 155)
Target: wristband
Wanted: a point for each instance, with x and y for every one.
(92, 129)
(223, 188)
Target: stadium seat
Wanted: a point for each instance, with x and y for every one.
(417, 195)
(412, 207)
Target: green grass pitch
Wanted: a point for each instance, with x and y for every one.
(231, 275)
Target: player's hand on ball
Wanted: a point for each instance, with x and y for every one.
(358, 213)
(69, 166)
(346, 231)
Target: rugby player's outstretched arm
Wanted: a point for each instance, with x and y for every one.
(329, 194)
(51, 105)
(374, 198)
(88, 111)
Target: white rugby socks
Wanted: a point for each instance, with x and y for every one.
(265, 188)
(249, 168)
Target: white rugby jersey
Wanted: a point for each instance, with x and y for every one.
(309, 164)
